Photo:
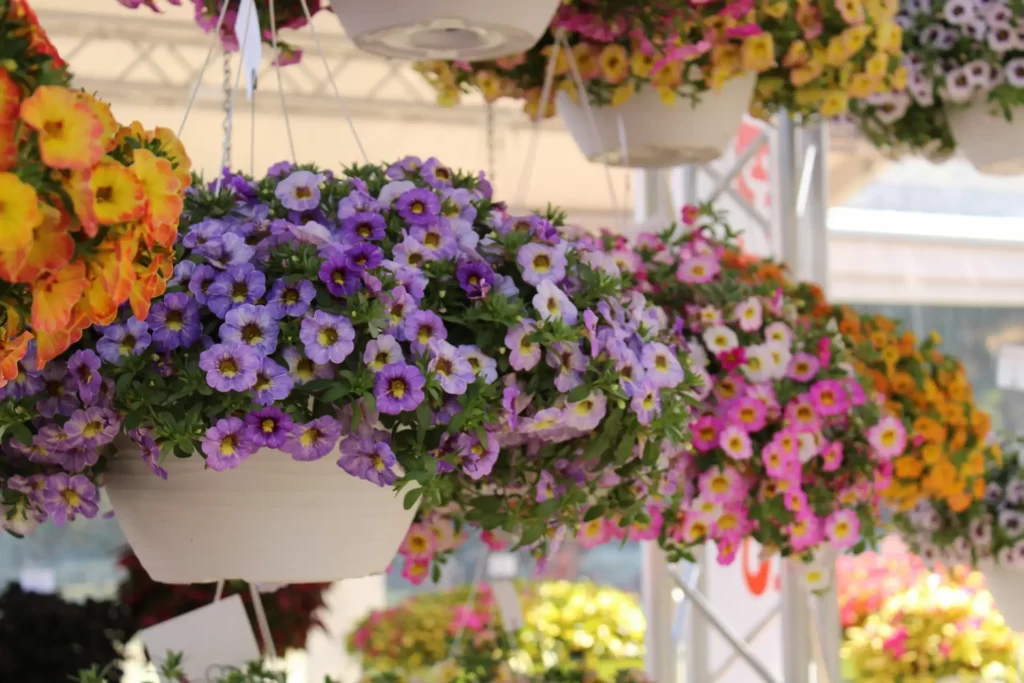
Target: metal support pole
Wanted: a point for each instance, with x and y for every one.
(795, 606)
(650, 200)
(698, 647)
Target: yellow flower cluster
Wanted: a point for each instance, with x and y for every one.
(934, 630)
(811, 56)
(563, 620)
(947, 447)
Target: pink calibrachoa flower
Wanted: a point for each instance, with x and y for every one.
(416, 570)
(647, 531)
(748, 413)
(698, 270)
(801, 413)
(748, 315)
(803, 367)
(796, 502)
(418, 543)
(735, 442)
(705, 431)
(593, 533)
(832, 456)
(842, 528)
(829, 397)
(776, 462)
(888, 437)
(720, 484)
(805, 532)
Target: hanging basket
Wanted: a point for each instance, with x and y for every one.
(444, 29)
(647, 133)
(1006, 586)
(990, 142)
(270, 520)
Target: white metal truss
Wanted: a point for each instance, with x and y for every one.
(797, 229)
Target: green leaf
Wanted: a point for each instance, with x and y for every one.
(578, 394)
(625, 448)
(532, 534)
(21, 433)
(546, 509)
(411, 497)
(593, 513)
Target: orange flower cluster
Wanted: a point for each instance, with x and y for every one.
(947, 447)
(88, 208)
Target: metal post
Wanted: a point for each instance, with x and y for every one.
(795, 606)
(698, 646)
(649, 200)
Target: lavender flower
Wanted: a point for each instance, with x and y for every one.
(59, 391)
(84, 369)
(483, 365)
(436, 174)
(662, 366)
(437, 239)
(341, 280)
(587, 414)
(230, 367)
(384, 350)
(419, 206)
(290, 299)
(92, 427)
(143, 438)
(273, 383)
(120, 341)
(78, 458)
(201, 280)
(646, 401)
(523, 353)
(410, 252)
(364, 458)
(363, 226)
(268, 427)
(225, 444)
(553, 304)
(302, 369)
(422, 327)
(540, 262)
(363, 256)
(327, 338)
(66, 496)
(478, 458)
(175, 322)
(300, 191)
(453, 372)
(569, 361)
(398, 388)
(241, 284)
(313, 440)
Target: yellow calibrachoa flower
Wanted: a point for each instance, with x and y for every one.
(19, 213)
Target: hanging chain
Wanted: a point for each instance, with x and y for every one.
(225, 159)
(491, 144)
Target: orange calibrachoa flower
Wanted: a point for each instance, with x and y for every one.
(67, 265)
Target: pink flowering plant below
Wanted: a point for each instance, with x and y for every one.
(990, 530)
(393, 318)
(784, 444)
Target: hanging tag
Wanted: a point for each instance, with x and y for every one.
(209, 639)
(501, 565)
(38, 580)
(247, 33)
(1010, 368)
(510, 609)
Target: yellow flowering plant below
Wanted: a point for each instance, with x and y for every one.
(811, 56)
(88, 208)
(592, 626)
(938, 630)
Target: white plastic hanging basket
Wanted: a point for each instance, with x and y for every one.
(444, 29)
(1007, 589)
(990, 142)
(658, 135)
(270, 520)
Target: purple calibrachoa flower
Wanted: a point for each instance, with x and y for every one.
(661, 365)
(422, 327)
(398, 388)
(78, 458)
(290, 299)
(453, 371)
(273, 383)
(363, 256)
(553, 304)
(268, 427)
(569, 361)
(341, 280)
(143, 438)
(437, 238)
(523, 353)
(436, 174)
(230, 367)
(367, 459)
(327, 338)
(313, 440)
(483, 365)
(199, 283)
(67, 496)
(251, 325)
(476, 278)
(175, 321)
(363, 226)
(58, 391)
(84, 368)
(398, 304)
(410, 252)
(122, 340)
(540, 262)
(241, 284)
(302, 369)
(384, 350)
(585, 415)
(478, 458)
(226, 444)
(419, 206)
(646, 401)
(300, 191)
(92, 427)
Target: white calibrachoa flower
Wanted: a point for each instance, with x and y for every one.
(719, 339)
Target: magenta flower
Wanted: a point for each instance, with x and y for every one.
(226, 444)
(268, 427)
(475, 278)
(829, 397)
(523, 354)
(748, 413)
(803, 367)
(705, 433)
(327, 338)
(452, 370)
(398, 388)
(313, 440)
(230, 367)
(66, 496)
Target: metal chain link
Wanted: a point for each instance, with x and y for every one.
(225, 159)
